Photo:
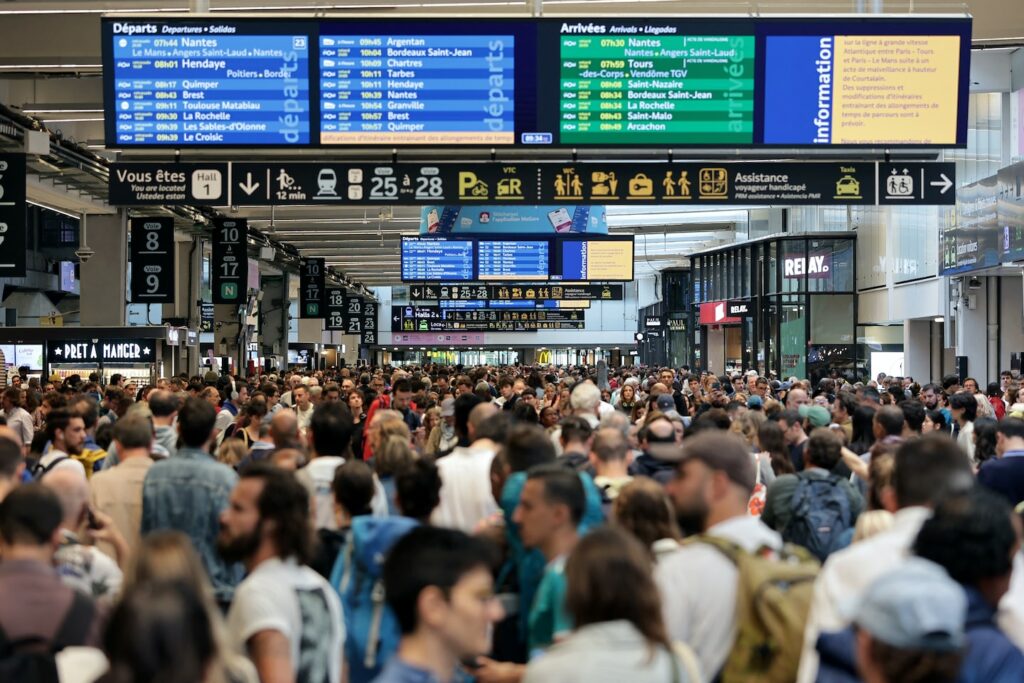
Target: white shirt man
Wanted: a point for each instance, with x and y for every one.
(466, 496)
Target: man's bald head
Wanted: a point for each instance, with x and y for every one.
(72, 490)
(658, 389)
(661, 430)
(284, 428)
(478, 416)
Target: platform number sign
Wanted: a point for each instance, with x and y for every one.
(13, 217)
(353, 315)
(335, 317)
(152, 257)
(230, 261)
(369, 323)
(312, 287)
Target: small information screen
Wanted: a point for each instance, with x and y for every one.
(514, 260)
(426, 89)
(210, 85)
(432, 260)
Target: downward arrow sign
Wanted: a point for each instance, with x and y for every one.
(248, 186)
(945, 183)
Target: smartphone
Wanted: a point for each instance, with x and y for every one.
(92, 521)
(560, 220)
(433, 221)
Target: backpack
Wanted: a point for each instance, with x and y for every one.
(34, 658)
(773, 599)
(39, 471)
(372, 631)
(819, 516)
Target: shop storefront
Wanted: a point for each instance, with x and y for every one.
(135, 353)
(782, 305)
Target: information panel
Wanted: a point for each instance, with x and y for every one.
(513, 260)
(437, 260)
(188, 83)
(586, 260)
(152, 258)
(676, 81)
(335, 318)
(229, 262)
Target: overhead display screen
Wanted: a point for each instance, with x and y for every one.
(513, 260)
(552, 259)
(196, 84)
(537, 82)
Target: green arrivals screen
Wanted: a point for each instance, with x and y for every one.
(657, 89)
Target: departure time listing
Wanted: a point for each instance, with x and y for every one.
(655, 87)
(407, 89)
(202, 85)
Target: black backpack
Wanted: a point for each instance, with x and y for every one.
(34, 658)
(819, 515)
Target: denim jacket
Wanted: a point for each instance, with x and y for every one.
(187, 493)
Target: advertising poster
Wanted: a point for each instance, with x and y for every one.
(470, 220)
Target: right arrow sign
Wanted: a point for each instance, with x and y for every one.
(917, 183)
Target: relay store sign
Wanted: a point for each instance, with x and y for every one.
(815, 266)
(717, 313)
(99, 351)
(740, 309)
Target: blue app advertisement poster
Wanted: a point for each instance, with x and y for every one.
(496, 220)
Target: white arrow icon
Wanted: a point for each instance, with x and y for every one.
(248, 186)
(945, 183)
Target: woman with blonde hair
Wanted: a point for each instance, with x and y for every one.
(167, 557)
(393, 456)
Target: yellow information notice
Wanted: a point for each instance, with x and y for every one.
(610, 260)
(895, 89)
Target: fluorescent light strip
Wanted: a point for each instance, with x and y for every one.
(98, 118)
(55, 210)
(62, 111)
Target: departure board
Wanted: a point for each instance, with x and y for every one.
(417, 89)
(513, 260)
(444, 83)
(431, 260)
(189, 85)
(670, 89)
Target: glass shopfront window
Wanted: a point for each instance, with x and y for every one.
(793, 337)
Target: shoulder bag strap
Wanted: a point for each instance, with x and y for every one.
(76, 623)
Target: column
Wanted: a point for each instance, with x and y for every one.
(273, 337)
(972, 328)
(185, 309)
(917, 350)
(104, 275)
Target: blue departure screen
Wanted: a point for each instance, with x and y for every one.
(429, 260)
(417, 89)
(514, 260)
(208, 84)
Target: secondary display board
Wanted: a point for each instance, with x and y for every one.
(471, 81)
(335, 318)
(436, 319)
(312, 287)
(468, 259)
(229, 263)
(152, 257)
(526, 184)
(514, 292)
(13, 217)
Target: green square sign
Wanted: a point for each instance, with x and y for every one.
(313, 309)
(229, 290)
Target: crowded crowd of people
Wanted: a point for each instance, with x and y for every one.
(501, 524)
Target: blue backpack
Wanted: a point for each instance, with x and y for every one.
(371, 631)
(820, 516)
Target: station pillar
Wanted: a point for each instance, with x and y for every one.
(185, 309)
(104, 275)
(274, 318)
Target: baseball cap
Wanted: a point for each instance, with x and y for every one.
(722, 452)
(915, 607)
(754, 402)
(448, 407)
(817, 415)
(665, 403)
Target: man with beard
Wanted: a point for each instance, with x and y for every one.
(285, 616)
(66, 433)
(698, 583)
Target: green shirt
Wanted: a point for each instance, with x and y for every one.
(548, 618)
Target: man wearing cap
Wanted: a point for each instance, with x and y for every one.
(698, 583)
(660, 445)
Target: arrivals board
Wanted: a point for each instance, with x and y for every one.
(567, 258)
(681, 81)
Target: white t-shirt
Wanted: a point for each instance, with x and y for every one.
(698, 587)
(280, 595)
(304, 417)
(66, 462)
(317, 477)
(465, 488)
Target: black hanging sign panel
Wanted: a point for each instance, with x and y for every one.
(335, 318)
(13, 230)
(152, 256)
(312, 284)
(230, 261)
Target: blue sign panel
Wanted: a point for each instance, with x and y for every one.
(417, 89)
(430, 260)
(513, 260)
(199, 84)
